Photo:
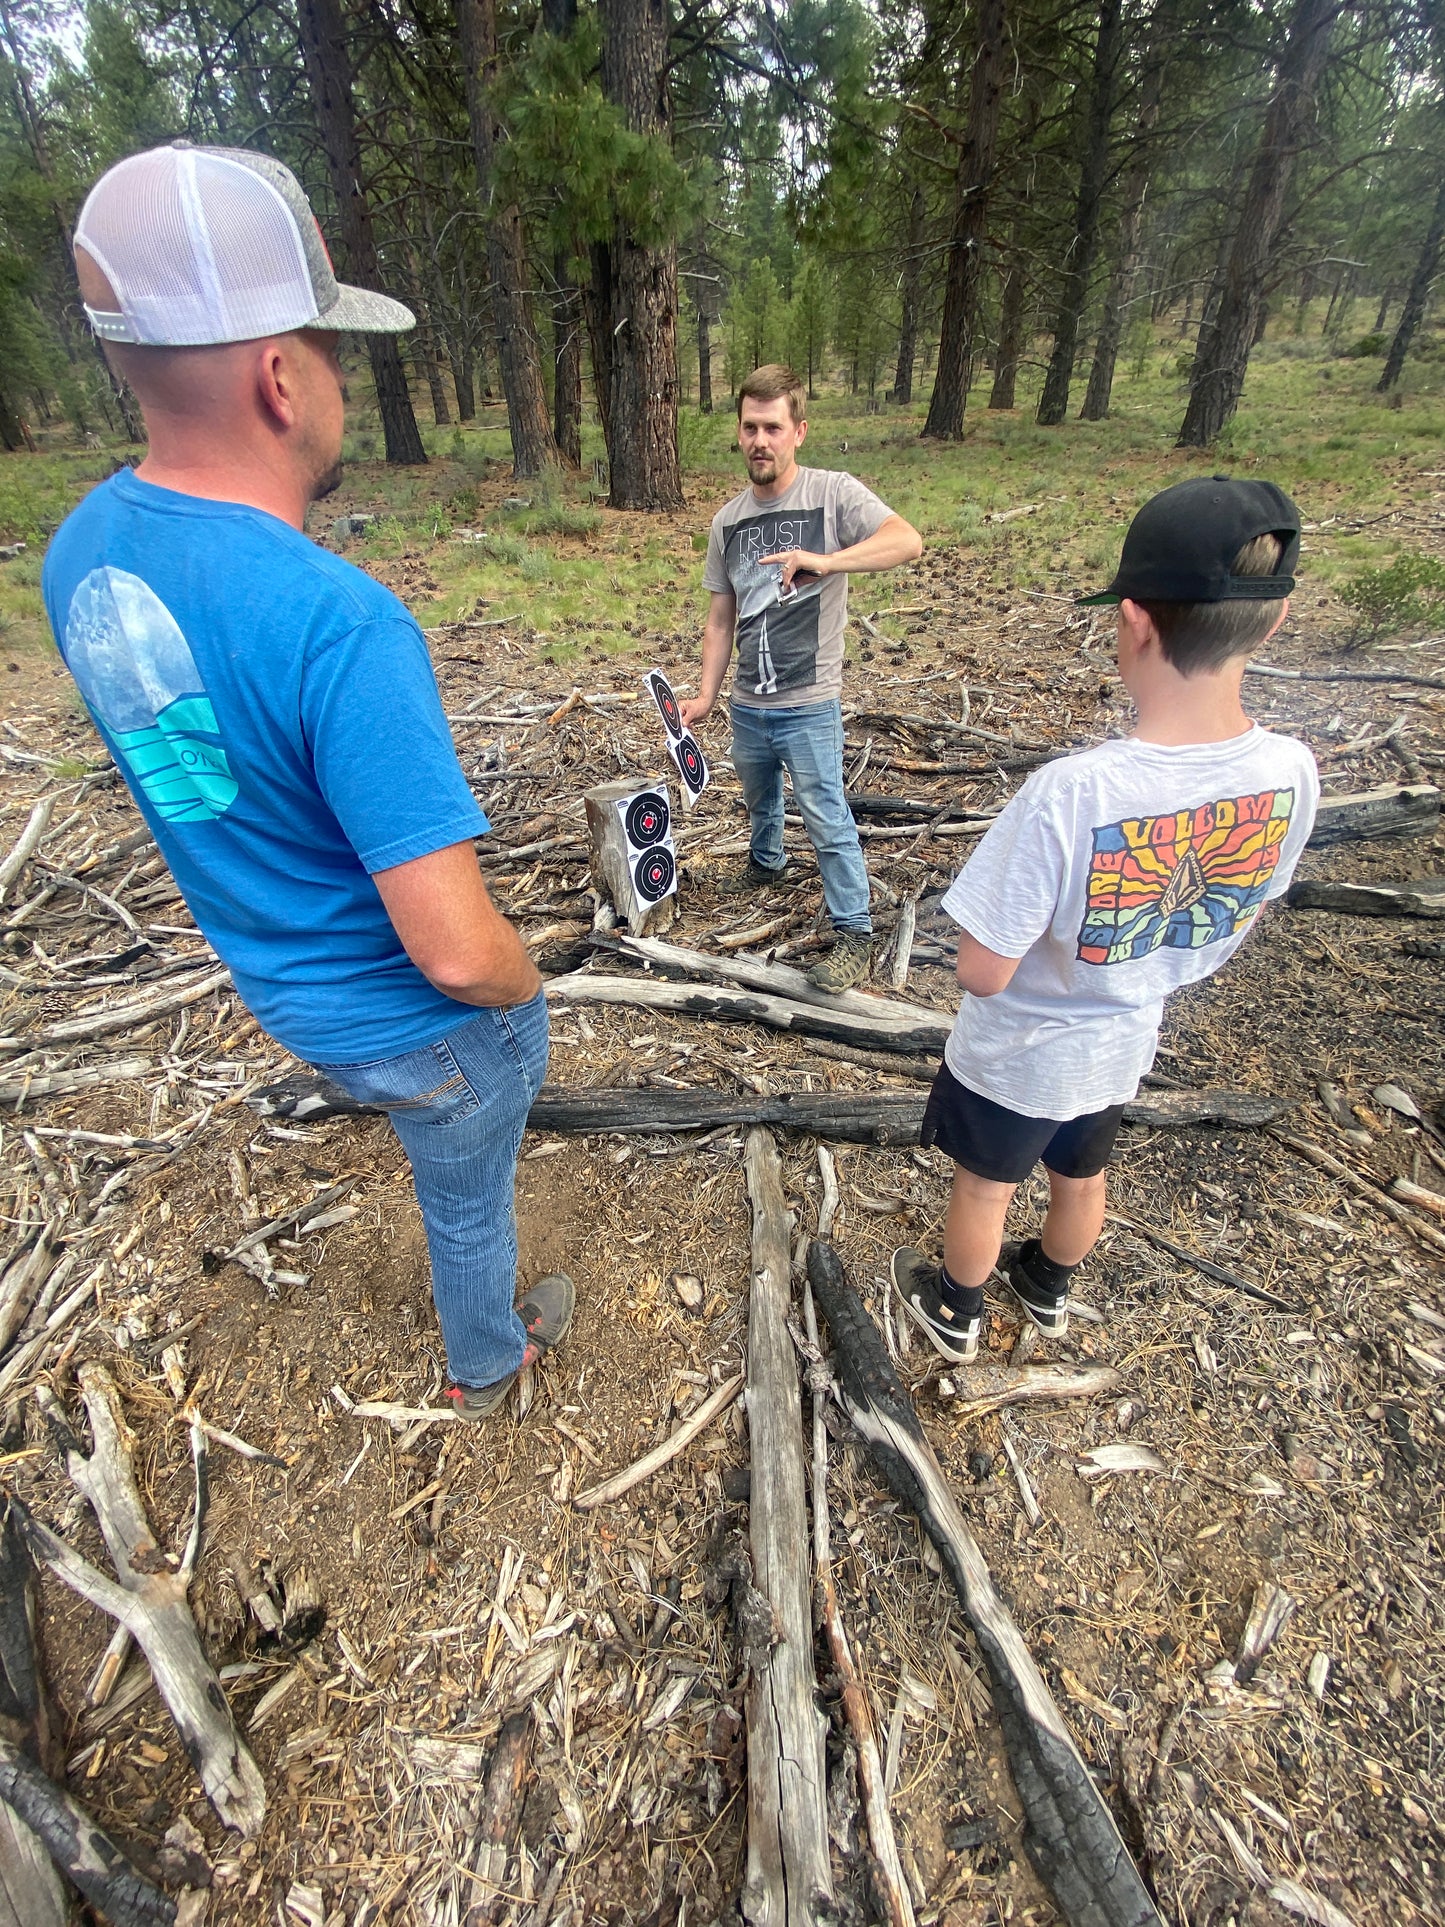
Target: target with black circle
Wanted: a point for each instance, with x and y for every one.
(647, 820)
(662, 695)
(691, 764)
(654, 874)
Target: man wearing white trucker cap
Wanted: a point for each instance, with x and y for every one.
(275, 713)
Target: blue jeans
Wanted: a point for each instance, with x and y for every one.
(459, 1107)
(808, 743)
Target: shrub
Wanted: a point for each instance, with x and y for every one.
(1367, 348)
(1407, 594)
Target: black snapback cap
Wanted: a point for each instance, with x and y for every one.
(1182, 543)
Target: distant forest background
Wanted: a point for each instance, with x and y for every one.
(627, 204)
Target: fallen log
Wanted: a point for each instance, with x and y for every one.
(887, 1870)
(31, 1894)
(989, 1388)
(881, 1032)
(146, 1596)
(18, 1090)
(1425, 897)
(788, 1878)
(1070, 1834)
(1403, 809)
(779, 980)
(89, 1858)
(885, 1117)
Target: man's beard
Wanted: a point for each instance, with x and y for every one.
(328, 482)
(763, 461)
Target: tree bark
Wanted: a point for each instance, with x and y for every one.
(1126, 256)
(912, 275)
(1414, 308)
(644, 470)
(972, 184)
(704, 359)
(1010, 334)
(426, 352)
(788, 1876)
(1219, 368)
(566, 363)
(518, 350)
(597, 306)
(1079, 261)
(328, 70)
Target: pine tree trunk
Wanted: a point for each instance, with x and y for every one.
(1134, 187)
(597, 306)
(518, 350)
(972, 185)
(1010, 334)
(464, 382)
(9, 426)
(1414, 308)
(426, 350)
(1382, 311)
(644, 471)
(704, 360)
(912, 273)
(1054, 401)
(566, 363)
(328, 70)
(1219, 368)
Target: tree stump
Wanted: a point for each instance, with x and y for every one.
(614, 859)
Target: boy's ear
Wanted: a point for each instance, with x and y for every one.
(1137, 622)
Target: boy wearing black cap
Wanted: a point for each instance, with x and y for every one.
(1112, 877)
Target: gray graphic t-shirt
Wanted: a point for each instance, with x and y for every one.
(790, 648)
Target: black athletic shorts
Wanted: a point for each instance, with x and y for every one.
(993, 1142)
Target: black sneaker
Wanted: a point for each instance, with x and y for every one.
(919, 1288)
(1047, 1311)
(546, 1311)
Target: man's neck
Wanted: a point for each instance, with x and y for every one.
(252, 484)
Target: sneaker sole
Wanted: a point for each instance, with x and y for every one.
(930, 1331)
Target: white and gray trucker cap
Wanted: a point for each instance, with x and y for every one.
(204, 245)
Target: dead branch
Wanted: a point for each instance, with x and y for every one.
(660, 1455)
(17, 1091)
(1425, 897)
(1363, 1188)
(888, 1875)
(788, 1874)
(26, 844)
(989, 1388)
(1071, 1835)
(1408, 809)
(501, 1814)
(1207, 1266)
(87, 1856)
(148, 1597)
(753, 1007)
(101, 1023)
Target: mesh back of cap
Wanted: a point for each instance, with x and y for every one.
(199, 247)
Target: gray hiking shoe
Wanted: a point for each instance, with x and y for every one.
(546, 1311)
(845, 963)
(919, 1288)
(752, 877)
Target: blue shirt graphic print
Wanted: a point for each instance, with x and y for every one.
(138, 677)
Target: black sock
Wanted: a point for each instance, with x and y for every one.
(964, 1301)
(1048, 1278)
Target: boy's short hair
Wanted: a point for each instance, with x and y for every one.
(772, 382)
(1198, 637)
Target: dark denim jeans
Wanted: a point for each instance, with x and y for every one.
(808, 743)
(459, 1107)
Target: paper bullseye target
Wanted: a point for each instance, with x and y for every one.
(691, 764)
(654, 874)
(648, 819)
(666, 701)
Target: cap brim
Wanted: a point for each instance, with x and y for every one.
(1093, 601)
(359, 311)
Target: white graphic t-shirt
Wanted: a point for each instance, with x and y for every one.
(790, 648)
(1117, 875)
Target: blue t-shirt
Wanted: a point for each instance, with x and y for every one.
(276, 716)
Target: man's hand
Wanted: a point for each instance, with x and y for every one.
(797, 562)
(452, 931)
(694, 709)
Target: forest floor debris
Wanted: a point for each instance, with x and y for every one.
(425, 1583)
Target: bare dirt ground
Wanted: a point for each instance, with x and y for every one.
(457, 1580)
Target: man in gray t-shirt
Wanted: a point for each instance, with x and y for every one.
(778, 560)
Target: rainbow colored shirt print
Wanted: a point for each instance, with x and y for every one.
(1190, 878)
